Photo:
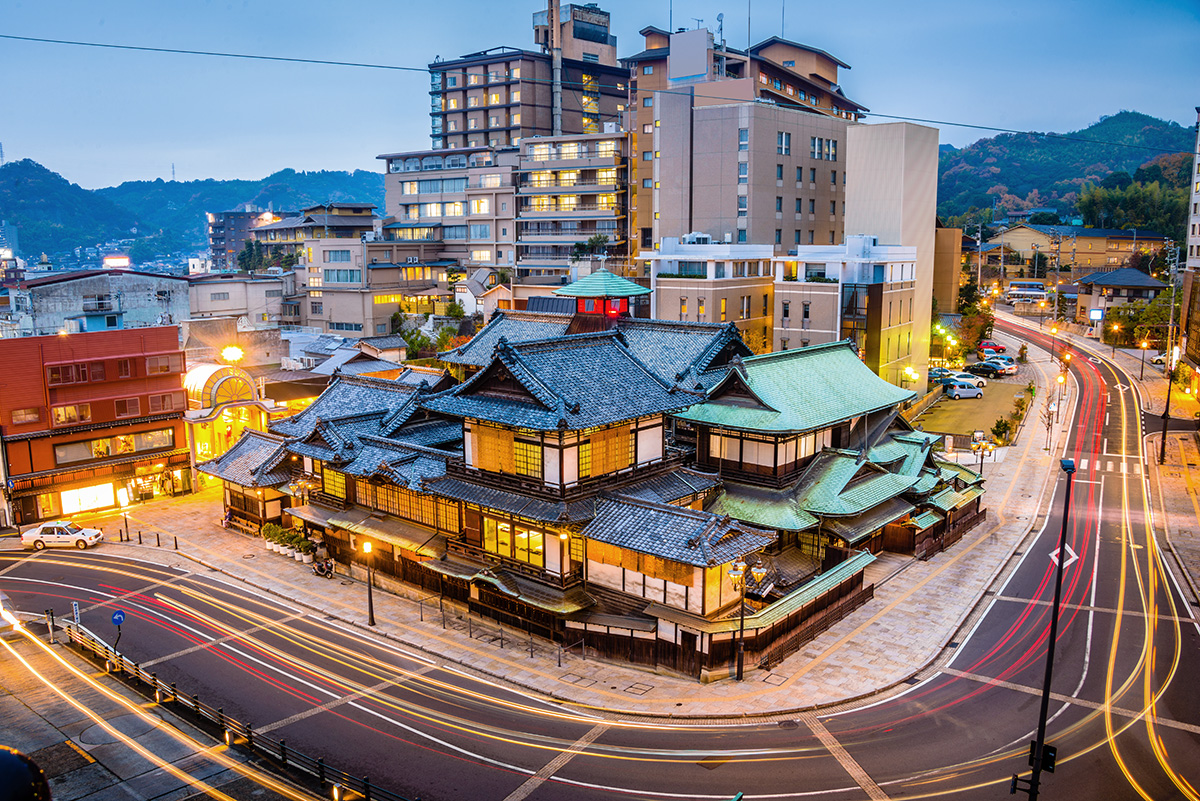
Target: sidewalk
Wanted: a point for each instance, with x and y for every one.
(919, 608)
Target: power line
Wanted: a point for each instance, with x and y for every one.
(399, 68)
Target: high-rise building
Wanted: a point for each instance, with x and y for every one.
(1189, 325)
(500, 96)
(228, 232)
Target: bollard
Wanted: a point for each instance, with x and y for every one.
(157, 540)
(174, 694)
(249, 738)
(177, 543)
(139, 536)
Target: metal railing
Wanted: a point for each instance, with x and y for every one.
(233, 731)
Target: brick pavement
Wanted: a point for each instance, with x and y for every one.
(919, 608)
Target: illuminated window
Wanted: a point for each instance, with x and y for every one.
(527, 458)
(334, 483)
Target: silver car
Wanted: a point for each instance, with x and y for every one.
(60, 533)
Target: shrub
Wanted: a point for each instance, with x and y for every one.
(1001, 429)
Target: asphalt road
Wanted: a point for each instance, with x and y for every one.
(1122, 716)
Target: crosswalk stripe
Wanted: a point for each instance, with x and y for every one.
(1124, 466)
(1083, 464)
(1110, 465)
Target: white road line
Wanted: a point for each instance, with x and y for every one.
(235, 636)
(1110, 466)
(868, 785)
(354, 696)
(1124, 466)
(20, 562)
(1083, 463)
(1021, 688)
(555, 765)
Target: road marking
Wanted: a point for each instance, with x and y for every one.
(336, 702)
(868, 785)
(1124, 466)
(132, 593)
(1086, 608)
(1110, 466)
(1083, 463)
(1070, 560)
(21, 561)
(226, 638)
(1121, 388)
(555, 765)
(1067, 699)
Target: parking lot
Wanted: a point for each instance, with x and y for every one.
(961, 417)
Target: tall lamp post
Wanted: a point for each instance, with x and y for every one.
(1041, 311)
(1062, 380)
(1116, 327)
(982, 448)
(1142, 372)
(123, 499)
(1053, 340)
(737, 574)
(1042, 756)
(370, 583)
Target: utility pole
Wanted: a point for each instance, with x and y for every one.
(1169, 363)
(979, 262)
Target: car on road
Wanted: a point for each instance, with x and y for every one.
(961, 389)
(992, 345)
(60, 533)
(987, 370)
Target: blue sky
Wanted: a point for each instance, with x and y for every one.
(100, 117)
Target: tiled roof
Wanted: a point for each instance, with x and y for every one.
(572, 382)
(513, 326)
(511, 502)
(352, 361)
(672, 532)
(798, 390)
(858, 528)
(255, 460)
(1079, 230)
(346, 395)
(759, 506)
(673, 486)
(602, 284)
(925, 520)
(401, 464)
(386, 342)
(1123, 277)
(672, 349)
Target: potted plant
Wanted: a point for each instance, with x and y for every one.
(306, 550)
(269, 534)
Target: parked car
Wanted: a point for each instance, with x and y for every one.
(986, 369)
(1159, 359)
(992, 345)
(936, 373)
(60, 533)
(1005, 367)
(961, 389)
(967, 378)
(1001, 359)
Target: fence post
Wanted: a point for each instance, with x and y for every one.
(221, 716)
(250, 738)
(321, 769)
(366, 788)
(283, 751)
(157, 689)
(174, 693)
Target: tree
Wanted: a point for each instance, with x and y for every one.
(1045, 218)
(594, 245)
(456, 311)
(1117, 180)
(968, 294)
(444, 336)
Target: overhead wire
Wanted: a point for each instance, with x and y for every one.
(403, 68)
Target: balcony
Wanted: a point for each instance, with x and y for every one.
(578, 211)
(583, 488)
(583, 187)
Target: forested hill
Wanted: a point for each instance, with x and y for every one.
(180, 207)
(1023, 170)
(52, 214)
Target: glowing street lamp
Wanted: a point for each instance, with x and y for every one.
(370, 583)
(737, 574)
(232, 354)
(1115, 329)
(1041, 311)
(123, 499)
(1142, 372)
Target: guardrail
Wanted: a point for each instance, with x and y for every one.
(234, 732)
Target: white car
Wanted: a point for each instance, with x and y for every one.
(61, 533)
(974, 380)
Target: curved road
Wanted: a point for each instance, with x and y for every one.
(1122, 717)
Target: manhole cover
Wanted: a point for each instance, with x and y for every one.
(788, 724)
(247, 556)
(347, 583)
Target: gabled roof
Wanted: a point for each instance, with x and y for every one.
(512, 326)
(602, 284)
(765, 43)
(1079, 230)
(255, 460)
(569, 382)
(675, 533)
(1123, 277)
(803, 390)
(347, 395)
(353, 361)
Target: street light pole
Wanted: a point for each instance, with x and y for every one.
(1142, 372)
(1168, 364)
(1041, 756)
(737, 574)
(370, 583)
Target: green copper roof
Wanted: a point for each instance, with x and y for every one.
(602, 284)
(925, 520)
(796, 390)
(774, 509)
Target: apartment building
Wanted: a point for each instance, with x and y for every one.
(500, 96)
(695, 66)
(91, 300)
(1189, 325)
(571, 189)
(228, 232)
(1085, 250)
(256, 297)
(89, 419)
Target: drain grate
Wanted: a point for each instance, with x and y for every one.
(788, 724)
(953, 645)
(912, 681)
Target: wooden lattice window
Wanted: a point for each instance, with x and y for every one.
(527, 458)
(335, 483)
(492, 449)
(611, 450)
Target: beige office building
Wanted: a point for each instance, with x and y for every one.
(893, 199)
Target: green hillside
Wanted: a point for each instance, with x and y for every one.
(1034, 169)
(53, 214)
(180, 207)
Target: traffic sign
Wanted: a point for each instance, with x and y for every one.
(118, 617)
(75, 609)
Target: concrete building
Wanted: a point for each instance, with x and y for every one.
(256, 297)
(1189, 325)
(500, 96)
(92, 300)
(90, 420)
(700, 71)
(948, 266)
(1084, 250)
(893, 198)
(228, 232)
(1107, 289)
(571, 189)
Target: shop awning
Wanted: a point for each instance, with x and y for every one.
(311, 513)
(549, 599)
